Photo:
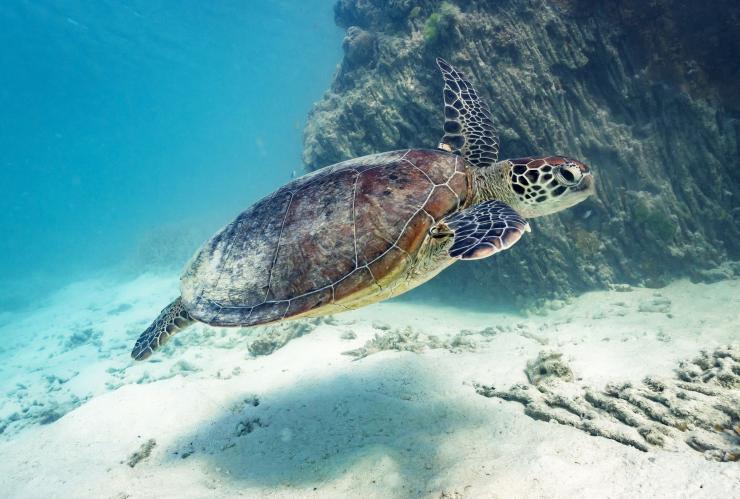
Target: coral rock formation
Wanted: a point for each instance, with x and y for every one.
(644, 93)
(700, 407)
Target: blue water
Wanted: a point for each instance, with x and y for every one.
(123, 117)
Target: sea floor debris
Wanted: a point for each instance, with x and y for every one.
(699, 407)
(144, 451)
(411, 340)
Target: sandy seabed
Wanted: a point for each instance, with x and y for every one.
(394, 400)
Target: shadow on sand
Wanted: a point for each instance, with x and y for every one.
(389, 413)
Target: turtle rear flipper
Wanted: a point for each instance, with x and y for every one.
(483, 230)
(172, 319)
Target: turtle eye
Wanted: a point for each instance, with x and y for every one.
(568, 175)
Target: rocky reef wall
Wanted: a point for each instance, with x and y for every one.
(645, 93)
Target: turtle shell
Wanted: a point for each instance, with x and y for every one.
(324, 239)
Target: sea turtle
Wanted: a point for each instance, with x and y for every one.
(371, 228)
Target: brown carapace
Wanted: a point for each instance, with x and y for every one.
(332, 239)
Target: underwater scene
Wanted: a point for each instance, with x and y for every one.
(370, 248)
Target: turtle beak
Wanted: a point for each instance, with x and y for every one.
(587, 184)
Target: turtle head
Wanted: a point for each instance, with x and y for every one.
(548, 184)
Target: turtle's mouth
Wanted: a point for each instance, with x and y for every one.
(587, 184)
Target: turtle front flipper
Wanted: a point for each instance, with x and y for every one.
(483, 230)
(172, 319)
(468, 125)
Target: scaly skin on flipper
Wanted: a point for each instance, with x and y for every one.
(172, 319)
(484, 229)
(468, 127)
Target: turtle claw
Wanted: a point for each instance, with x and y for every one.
(440, 230)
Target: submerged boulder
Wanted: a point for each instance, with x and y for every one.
(360, 47)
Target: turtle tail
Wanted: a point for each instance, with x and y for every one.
(172, 319)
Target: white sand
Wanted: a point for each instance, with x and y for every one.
(393, 424)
